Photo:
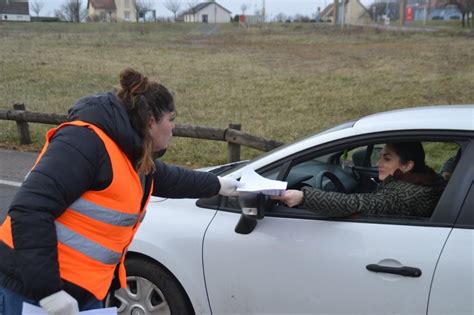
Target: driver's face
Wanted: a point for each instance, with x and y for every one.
(388, 162)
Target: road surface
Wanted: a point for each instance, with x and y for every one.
(14, 166)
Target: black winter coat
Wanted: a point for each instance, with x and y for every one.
(76, 161)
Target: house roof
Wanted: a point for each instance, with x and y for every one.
(364, 8)
(201, 6)
(327, 10)
(102, 4)
(14, 8)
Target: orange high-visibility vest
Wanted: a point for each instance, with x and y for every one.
(95, 230)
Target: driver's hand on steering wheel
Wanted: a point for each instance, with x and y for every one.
(290, 197)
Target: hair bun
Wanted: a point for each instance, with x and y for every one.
(133, 81)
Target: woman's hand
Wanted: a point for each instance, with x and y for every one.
(290, 197)
(60, 303)
(228, 186)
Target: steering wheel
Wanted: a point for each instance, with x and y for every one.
(333, 178)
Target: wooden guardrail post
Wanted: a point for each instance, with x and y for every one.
(22, 126)
(233, 149)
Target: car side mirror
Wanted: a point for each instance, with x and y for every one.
(252, 205)
(253, 209)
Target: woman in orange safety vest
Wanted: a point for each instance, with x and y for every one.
(70, 223)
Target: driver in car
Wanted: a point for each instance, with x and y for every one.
(408, 188)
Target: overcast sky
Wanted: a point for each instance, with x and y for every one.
(272, 7)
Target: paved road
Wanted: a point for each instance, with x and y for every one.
(13, 168)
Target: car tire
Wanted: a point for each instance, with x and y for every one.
(151, 289)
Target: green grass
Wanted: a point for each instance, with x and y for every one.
(279, 81)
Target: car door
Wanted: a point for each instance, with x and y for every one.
(294, 262)
(293, 265)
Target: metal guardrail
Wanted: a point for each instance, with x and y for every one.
(232, 135)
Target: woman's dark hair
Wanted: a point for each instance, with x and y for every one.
(410, 151)
(144, 99)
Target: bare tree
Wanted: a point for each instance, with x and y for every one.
(36, 7)
(141, 7)
(281, 17)
(301, 18)
(173, 6)
(192, 3)
(71, 11)
(466, 7)
(243, 8)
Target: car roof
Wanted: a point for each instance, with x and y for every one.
(449, 117)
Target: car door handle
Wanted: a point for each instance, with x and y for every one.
(403, 271)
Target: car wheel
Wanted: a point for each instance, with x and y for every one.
(150, 290)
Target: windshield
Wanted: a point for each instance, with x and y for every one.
(237, 166)
(224, 169)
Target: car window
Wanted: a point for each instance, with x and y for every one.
(354, 171)
(364, 156)
(442, 156)
(356, 168)
(436, 153)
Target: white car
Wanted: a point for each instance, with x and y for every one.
(206, 257)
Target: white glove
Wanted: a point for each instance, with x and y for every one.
(60, 303)
(228, 186)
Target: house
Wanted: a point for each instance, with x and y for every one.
(353, 12)
(111, 10)
(207, 12)
(327, 14)
(14, 10)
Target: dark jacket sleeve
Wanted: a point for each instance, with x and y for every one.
(176, 182)
(68, 168)
(334, 204)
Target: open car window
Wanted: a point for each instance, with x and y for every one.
(355, 167)
(353, 170)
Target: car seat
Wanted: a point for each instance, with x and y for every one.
(450, 164)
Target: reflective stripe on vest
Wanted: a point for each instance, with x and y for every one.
(86, 246)
(103, 214)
